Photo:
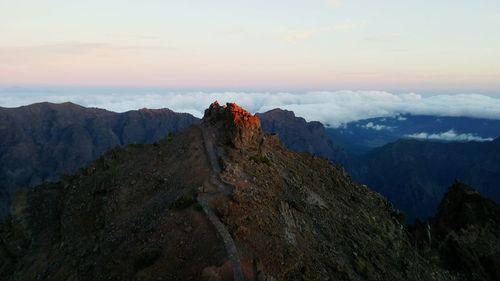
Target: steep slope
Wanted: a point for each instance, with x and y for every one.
(220, 201)
(414, 175)
(41, 141)
(464, 234)
(299, 135)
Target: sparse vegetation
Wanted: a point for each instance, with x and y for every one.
(147, 258)
(198, 207)
(400, 216)
(261, 159)
(170, 136)
(182, 202)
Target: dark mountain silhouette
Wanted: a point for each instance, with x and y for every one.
(414, 175)
(464, 234)
(220, 201)
(41, 141)
(299, 135)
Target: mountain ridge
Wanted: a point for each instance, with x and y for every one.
(299, 135)
(138, 213)
(39, 142)
(36, 148)
(362, 136)
(415, 174)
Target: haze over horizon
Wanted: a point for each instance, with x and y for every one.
(412, 46)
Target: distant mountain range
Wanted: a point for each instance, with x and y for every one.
(415, 174)
(39, 142)
(42, 141)
(299, 135)
(364, 135)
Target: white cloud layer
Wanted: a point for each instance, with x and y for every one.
(330, 108)
(450, 135)
(377, 127)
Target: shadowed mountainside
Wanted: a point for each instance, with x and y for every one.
(464, 234)
(414, 175)
(174, 211)
(39, 142)
(299, 135)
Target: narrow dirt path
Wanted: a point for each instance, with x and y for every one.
(204, 199)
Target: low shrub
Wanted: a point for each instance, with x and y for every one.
(261, 159)
(182, 202)
(147, 258)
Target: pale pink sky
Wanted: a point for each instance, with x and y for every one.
(318, 44)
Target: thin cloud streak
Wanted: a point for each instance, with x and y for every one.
(334, 3)
(377, 127)
(12, 54)
(449, 136)
(299, 35)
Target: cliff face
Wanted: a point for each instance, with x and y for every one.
(239, 127)
(42, 141)
(219, 201)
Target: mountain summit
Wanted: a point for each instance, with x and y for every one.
(240, 127)
(220, 201)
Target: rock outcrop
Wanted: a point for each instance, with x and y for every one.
(240, 127)
(465, 234)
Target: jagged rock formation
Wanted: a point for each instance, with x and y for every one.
(241, 129)
(39, 142)
(465, 234)
(164, 212)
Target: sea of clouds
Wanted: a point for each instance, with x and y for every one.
(331, 108)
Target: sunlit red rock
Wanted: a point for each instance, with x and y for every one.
(243, 127)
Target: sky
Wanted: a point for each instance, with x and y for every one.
(422, 46)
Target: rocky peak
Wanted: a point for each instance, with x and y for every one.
(158, 110)
(238, 125)
(464, 234)
(281, 113)
(463, 206)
